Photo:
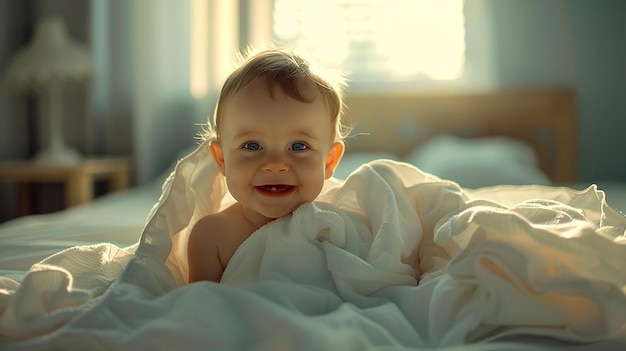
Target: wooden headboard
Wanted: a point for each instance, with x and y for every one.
(545, 119)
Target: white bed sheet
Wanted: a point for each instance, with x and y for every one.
(139, 288)
(117, 218)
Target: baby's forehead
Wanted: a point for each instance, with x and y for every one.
(301, 89)
(253, 95)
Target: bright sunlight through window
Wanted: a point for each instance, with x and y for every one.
(376, 40)
(214, 39)
(199, 48)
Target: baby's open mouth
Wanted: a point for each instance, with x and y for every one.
(276, 189)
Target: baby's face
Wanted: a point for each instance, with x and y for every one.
(275, 151)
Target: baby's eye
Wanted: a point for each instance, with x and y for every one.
(298, 147)
(251, 145)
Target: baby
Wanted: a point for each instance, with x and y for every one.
(277, 137)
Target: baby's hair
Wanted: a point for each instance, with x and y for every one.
(289, 70)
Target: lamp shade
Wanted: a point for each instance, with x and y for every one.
(51, 57)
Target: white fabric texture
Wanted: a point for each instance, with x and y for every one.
(392, 258)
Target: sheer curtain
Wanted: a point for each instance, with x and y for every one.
(162, 107)
(147, 103)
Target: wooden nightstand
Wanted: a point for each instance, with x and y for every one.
(78, 180)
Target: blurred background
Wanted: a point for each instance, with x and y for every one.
(158, 65)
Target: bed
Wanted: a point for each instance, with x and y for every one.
(513, 251)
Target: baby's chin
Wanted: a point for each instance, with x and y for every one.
(287, 211)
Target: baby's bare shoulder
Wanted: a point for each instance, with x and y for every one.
(208, 227)
(224, 225)
(203, 251)
(208, 221)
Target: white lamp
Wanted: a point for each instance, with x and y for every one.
(48, 63)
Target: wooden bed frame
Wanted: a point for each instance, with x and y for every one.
(545, 119)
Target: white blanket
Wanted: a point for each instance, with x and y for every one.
(392, 258)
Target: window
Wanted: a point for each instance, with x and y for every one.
(377, 40)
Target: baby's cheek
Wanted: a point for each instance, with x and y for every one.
(314, 182)
(239, 165)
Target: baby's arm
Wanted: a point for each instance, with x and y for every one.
(203, 254)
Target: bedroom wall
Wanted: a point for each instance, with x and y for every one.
(573, 43)
(14, 25)
(15, 20)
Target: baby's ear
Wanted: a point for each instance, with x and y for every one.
(218, 155)
(332, 159)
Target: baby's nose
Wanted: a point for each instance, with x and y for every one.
(275, 163)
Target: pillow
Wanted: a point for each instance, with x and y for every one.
(476, 163)
(351, 161)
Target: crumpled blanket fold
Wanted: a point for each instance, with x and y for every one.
(390, 257)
